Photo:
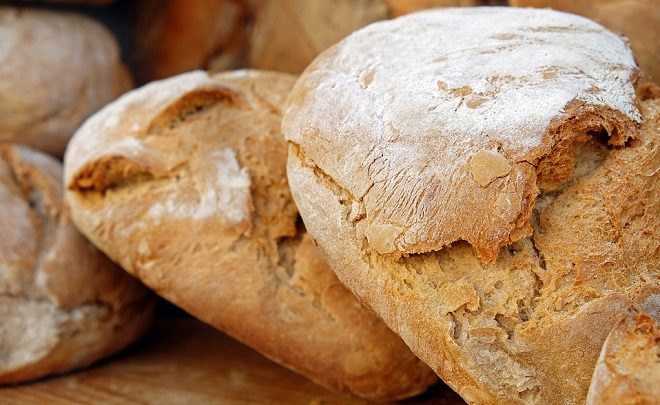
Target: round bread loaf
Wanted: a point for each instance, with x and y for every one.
(479, 178)
(638, 20)
(183, 183)
(176, 36)
(628, 369)
(63, 304)
(57, 69)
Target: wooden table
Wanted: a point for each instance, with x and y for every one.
(183, 361)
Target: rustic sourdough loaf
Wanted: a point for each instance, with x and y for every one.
(628, 369)
(57, 68)
(479, 178)
(183, 183)
(63, 304)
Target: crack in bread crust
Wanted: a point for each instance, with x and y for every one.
(504, 330)
(63, 304)
(413, 162)
(220, 236)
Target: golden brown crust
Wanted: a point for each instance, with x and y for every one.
(507, 331)
(464, 157)
(510, 330)
(176, 36)
(57, 68)
(638, 20)
(63, 304)
(183, 183)
(628, 369)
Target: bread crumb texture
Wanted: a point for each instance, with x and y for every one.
(501, 242)
(183, 183)
(63, 304)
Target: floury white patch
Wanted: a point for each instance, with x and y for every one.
(224, 192)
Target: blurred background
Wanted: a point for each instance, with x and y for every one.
(161, 38)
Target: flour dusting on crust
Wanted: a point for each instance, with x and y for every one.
(394, 113)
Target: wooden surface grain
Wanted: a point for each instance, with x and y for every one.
(183, 361)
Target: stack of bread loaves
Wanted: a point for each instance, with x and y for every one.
(63, 304)
(469, 193)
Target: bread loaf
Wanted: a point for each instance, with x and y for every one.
(57, 68)
(638, 20)
(628, 369)
(63, 304)
(176, 36)
(183, 183)
(484, 180)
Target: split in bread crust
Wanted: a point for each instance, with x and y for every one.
(183, 183)
(63, 304)
(464, 146)
(480, 179)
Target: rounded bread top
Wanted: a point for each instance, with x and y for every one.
(443, 125)
(57, 68)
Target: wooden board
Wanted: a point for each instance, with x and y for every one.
(183, 361)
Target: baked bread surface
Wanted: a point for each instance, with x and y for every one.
(628, 369)
(480, 180)
(63, 304)
(638, 20)
(57, 68)
(183, 183)
(490, 112)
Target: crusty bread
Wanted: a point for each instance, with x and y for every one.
(288, 34)
(63, 304)
(479, 179)
(628, 369)
(638, 20)
(176, 36)
(57, 68)
(183, 183)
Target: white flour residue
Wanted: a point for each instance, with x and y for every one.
(128, 146)
(394, 111)
(230, 192)
(475, 71)
(225, 192)
(127, 116)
